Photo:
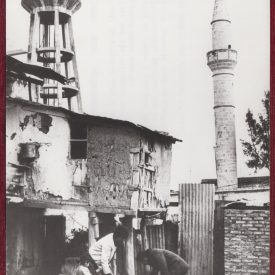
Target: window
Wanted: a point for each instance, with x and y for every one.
(148, 158)
(78, 140)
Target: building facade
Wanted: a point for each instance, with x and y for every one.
(57, 159)
(60, 159)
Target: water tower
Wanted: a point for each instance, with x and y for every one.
(51, 44)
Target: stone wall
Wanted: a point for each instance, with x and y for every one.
(246, 249)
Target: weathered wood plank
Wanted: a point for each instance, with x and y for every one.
(93, 231)
(130, 257)
(57, 52)
(79, 102)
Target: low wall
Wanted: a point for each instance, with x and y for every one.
(246, 234)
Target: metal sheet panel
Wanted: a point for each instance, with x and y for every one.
(152, 236)
(196, 210)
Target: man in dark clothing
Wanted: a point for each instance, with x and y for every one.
(165, 261)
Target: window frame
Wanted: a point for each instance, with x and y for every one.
(74, 141)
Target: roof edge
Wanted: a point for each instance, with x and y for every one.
(88, 116)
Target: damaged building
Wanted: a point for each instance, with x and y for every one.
(63, 160)
(59, 158)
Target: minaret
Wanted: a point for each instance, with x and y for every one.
(51, 44)
(222, 61)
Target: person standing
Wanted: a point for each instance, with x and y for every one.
(103, 251)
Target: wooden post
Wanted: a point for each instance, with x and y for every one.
(79, 102)
(30, 90)
(66, 38)
(57, 53)
(145, 245)
(34, 30)
(31, 37)
(129, 248)
(68, 47)
(93, 228)
(37, 93)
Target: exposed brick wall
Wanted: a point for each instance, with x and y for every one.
(246, 234)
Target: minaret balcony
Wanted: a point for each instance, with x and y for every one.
(223, 57)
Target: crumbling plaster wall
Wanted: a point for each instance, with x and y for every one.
(52, 170)
(110, 169)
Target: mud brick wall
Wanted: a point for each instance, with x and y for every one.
(109, 166)
(246, 248)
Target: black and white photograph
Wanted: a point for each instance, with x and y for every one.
(137, 137)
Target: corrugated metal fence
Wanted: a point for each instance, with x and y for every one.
(196, 210)
(152, 236)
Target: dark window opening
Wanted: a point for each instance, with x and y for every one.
(151, 145)
(78, 140)
(148, 158)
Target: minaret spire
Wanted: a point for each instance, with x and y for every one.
(222, 61)
(220, 11)
(221, 26)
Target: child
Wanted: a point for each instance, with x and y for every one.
(82, 269)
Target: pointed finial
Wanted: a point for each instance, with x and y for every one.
(220, 11)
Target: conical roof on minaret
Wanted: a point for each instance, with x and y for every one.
(220, 11)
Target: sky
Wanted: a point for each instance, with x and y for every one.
(145, 61)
